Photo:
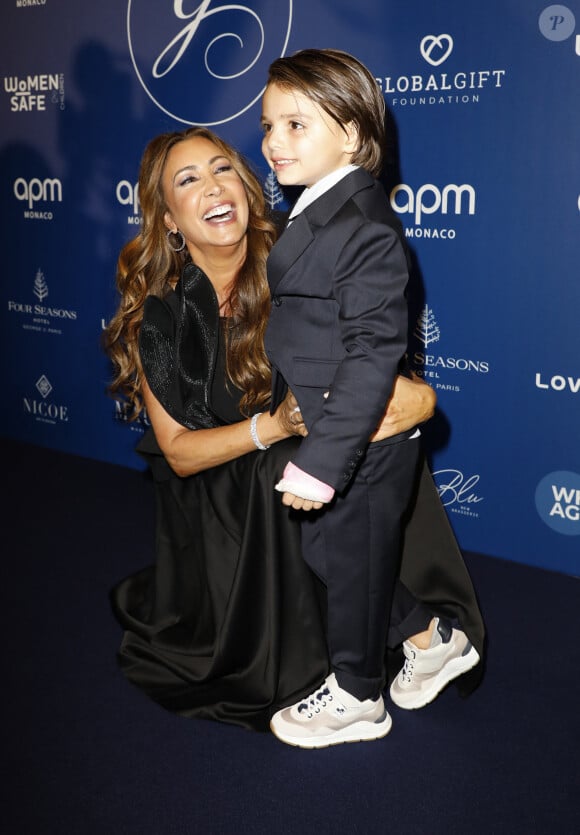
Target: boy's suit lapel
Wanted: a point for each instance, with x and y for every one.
(295, 239)
(299, 235)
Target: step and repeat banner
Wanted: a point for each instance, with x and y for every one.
(483, 170)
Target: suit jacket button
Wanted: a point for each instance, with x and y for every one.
(276, 300)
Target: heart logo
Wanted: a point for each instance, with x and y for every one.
(430, 42)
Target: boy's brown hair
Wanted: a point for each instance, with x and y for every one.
(345, 89)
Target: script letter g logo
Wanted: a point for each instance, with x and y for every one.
(442, 42)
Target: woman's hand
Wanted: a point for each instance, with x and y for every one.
(289, 416)
(412, 402)
(190, 451)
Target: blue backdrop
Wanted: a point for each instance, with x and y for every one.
(484, 172)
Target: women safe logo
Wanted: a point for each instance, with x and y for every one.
(205, 63)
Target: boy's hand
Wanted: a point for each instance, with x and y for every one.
(298, 503)
(302, 491)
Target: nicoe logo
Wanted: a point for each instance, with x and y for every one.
(43, 410)
(558, 502)
(180, 49)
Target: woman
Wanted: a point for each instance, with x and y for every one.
(227, 625)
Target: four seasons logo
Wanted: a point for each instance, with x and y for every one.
(433, 366)
(40, 316)
(40, 289)
(272, 191)
(427, 329)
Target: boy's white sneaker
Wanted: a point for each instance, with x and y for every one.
(427, 671)
(330, 716)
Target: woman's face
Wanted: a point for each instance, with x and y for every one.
(205, 197)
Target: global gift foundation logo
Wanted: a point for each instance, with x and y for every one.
(205, 63)
(443, 371)
(558, 502)
(436, 49)
(460, 85)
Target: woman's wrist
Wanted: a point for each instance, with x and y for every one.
(268, 429)
(254, 434)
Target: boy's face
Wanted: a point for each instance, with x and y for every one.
(301, 142)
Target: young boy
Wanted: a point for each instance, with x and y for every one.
(337, 337)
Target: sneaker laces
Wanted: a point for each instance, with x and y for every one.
(408, 667)
(316, 701)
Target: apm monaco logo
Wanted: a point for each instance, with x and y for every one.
(40, 408)
(34, 92)
(40, 316)
(436, 367)
(429, 199)
(34, 191)
(461, 86)
(24, 4)
(558, 502)
(458, 492)
(127, 194)
(180, 50)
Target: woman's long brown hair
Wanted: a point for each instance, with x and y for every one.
(148, 265)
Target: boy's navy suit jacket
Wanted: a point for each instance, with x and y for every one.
(338, 321)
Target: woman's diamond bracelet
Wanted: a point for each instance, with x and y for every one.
(254, 433)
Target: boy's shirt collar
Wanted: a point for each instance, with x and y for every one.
(309, 195)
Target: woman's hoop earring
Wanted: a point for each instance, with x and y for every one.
(177, 232)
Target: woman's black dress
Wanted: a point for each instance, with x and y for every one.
(227, 624)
